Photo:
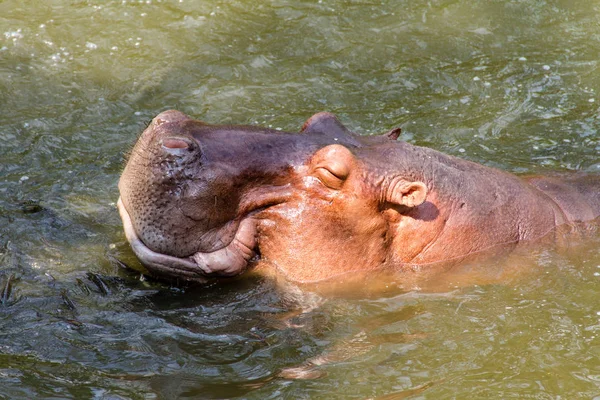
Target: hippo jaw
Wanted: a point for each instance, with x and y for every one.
(229, 260)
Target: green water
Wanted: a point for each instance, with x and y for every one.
(511, 84)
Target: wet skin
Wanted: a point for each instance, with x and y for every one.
(201, 201)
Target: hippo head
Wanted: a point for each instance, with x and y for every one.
(200, 200)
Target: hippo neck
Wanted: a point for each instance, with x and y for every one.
(487, 206)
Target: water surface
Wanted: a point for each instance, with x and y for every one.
(511, 84)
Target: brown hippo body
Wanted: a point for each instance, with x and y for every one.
(201, 200)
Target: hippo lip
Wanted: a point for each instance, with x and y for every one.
(227, 261)
(156, 262)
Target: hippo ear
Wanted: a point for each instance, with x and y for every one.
(328, 124)
(332, 165)
(407, 194)
(394, 134)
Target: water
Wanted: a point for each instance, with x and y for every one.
(505, 83)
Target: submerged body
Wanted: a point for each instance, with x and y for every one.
(200, 200)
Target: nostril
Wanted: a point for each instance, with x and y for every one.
(175, 143)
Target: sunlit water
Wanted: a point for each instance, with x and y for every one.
(511, 84)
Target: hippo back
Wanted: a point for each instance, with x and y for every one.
(577, 195)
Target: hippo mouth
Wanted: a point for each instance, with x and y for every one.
(229, 260)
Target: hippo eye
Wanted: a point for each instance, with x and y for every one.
(329, 178)
(332, 165)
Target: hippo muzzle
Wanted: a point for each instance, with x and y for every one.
(180, 215)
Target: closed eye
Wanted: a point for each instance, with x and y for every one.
(329, 178)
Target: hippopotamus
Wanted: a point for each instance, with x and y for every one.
(200, 201)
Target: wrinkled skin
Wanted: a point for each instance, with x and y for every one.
(200, 201)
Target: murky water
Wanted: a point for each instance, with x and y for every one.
(512, 84)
